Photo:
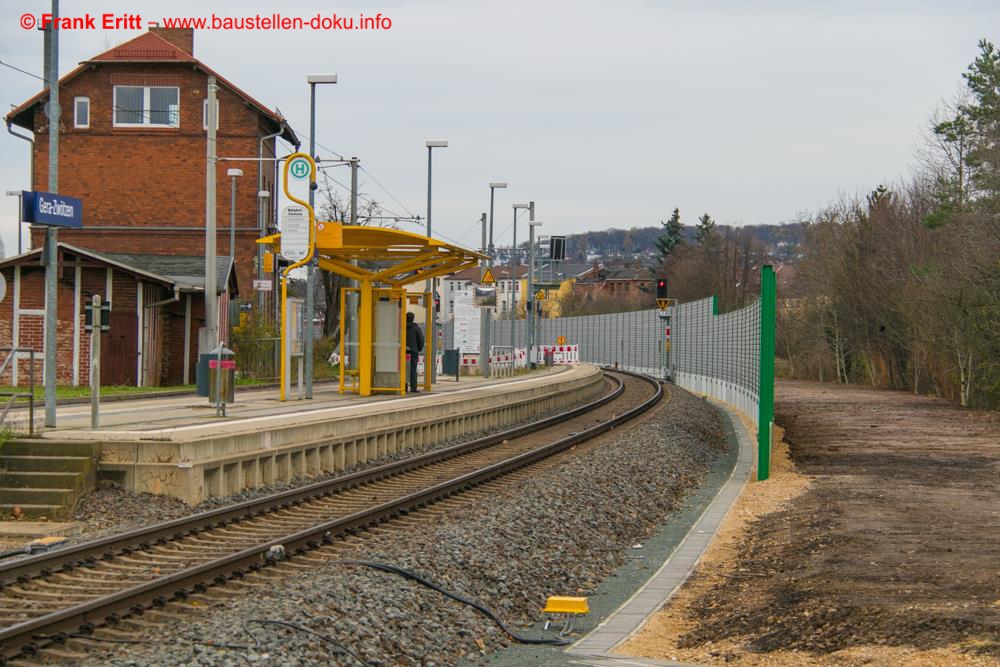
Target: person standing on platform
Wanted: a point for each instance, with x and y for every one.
(414, 346)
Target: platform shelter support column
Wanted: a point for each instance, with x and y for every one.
(365, 333)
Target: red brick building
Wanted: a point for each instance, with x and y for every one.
(133, 148)
(157, 306)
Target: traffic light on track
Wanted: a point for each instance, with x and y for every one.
(661, 288)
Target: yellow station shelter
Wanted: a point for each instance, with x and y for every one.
(383, 262)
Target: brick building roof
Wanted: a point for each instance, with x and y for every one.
(183, 272)
(151, 47)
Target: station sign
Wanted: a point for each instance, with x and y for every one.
(47, 208)
(294, 232)
(263, 285)
(299, 168)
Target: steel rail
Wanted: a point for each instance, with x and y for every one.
(88, 553)
(28, 636)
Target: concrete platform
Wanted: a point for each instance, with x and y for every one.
(178, 447)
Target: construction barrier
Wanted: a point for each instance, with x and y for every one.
(562, 354)
(420, 364)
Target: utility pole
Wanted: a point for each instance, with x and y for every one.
(51, 251)
(210, 338)
(349, 321)
(484, 316)
(354, 190)
(310, 305)
(430, 355)
(530, 316)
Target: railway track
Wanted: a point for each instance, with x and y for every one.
(46, 597)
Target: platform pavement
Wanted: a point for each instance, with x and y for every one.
(169, 412)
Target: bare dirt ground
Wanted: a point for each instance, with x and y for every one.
(877, 542)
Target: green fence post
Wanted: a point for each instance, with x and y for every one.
(765, 414)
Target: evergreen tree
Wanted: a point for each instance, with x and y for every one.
(705, 230)
(983, 113)
(673, 234)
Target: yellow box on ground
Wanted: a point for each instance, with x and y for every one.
(566, 605)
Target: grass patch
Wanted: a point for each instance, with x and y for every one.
(113, 390)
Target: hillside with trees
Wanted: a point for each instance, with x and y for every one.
(781, 240)
(902, 286)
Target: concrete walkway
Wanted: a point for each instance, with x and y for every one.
(170, 412)
(595, 648)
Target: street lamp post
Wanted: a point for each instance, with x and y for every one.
(513, 277)
(430, 358)
(310, 306)
(532, 353)
(493, 187)
(17, 193)
(487, 328)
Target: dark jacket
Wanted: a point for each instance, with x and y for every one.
(414, 338)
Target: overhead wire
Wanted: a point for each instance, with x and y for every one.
(22, 71)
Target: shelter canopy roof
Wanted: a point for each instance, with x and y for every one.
(389, 256)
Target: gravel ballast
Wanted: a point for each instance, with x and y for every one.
(560, 531)
(110, 509)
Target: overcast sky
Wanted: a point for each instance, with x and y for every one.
(606, 114)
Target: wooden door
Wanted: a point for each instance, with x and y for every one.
(119, 350)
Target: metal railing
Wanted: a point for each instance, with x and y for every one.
(12, 396)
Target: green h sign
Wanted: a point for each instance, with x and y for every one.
(299, 168)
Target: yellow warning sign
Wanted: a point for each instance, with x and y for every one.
(488, 278)
(560, 340)
(540, 295)
(663, 303)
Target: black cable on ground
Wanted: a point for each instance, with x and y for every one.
(340, 648)
(412, 576)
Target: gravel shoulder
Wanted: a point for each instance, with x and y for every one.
(560, 530)
(874, 543)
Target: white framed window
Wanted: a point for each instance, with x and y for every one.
(204, 114)
(81, 112)
(147, 106)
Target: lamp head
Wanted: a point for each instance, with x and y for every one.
(321, 78)
(436, 143)
(498, 185)
(234, 172)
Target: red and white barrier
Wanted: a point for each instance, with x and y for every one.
(562, 354)
(420, 364)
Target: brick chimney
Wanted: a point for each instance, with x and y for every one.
(182, 38)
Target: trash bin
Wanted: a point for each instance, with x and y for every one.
(201, 374)
(449, 362)
(221, 376)
(550, 357)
